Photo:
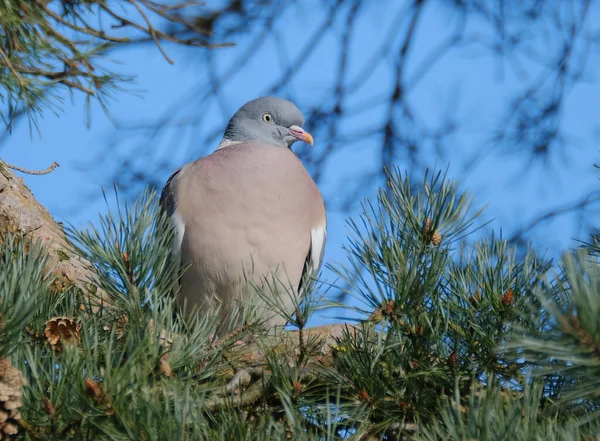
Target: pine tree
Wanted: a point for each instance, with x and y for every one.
(457, 338)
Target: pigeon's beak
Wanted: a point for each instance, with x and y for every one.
(300, 134)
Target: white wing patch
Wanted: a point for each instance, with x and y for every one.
(318, 237)
(312, 264)
(179, 227)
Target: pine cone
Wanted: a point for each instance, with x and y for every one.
(165, 367)
(376, 316)
(507, 297)
(452, 359)
(431, 236)
(436, 239)
(61, 330)
(11, 380)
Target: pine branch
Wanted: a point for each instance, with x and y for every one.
(449, 335)
(493, 413)
(567, 352)
(49, 44)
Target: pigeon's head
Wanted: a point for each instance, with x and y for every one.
(267, 119)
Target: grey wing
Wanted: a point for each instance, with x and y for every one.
(167, 196)
(168, 203)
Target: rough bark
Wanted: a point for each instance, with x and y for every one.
(21, 213)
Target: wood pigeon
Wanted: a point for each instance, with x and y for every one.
(248, 212)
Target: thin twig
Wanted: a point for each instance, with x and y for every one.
(88, 31)
(251, 395)
(568, 208)
(32, 172)
(152, 31)
(11, 67)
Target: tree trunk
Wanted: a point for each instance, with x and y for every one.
(21, 213)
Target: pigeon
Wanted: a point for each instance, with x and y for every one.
(248, 216)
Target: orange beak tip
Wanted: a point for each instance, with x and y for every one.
(309, 139)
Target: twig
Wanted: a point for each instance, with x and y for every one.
(556, 212)
(249, 396)
(165, 8)
(88, 31)
(32, 172)
(152, 32)
(11, 67)
(162, 11)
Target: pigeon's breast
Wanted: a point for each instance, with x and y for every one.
(254, 206)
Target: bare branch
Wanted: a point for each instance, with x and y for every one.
(50, 169)
(573, 207)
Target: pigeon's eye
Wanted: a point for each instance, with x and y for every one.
(267, 117)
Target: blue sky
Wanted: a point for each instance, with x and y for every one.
(470, 83)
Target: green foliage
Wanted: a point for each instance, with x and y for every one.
(140, 370)
(455, 340)
(135, 372)
(566, 355)
(436, 315)
(49, 44)
(494, 414)
(23, 286)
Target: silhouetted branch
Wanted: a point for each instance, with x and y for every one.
(518, 237)
(368, 101)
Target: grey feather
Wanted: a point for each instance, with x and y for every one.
(247, 124)
(167, 196)
(248, 211)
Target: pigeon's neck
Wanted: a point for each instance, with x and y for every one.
(227, 142)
